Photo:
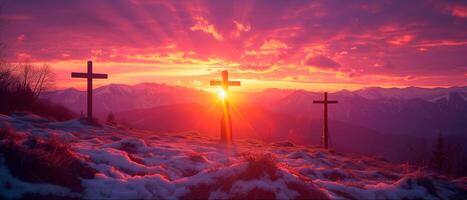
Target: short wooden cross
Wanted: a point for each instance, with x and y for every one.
(325, 129)
(89, 76)
(226, 122)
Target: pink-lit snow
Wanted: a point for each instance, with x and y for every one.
(138, 164)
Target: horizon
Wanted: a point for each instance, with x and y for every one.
(288, 45)
(214, 90)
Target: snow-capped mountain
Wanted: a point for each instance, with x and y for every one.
(419, 116)
(120, 97)
(111, 163)
(421, 112)
(408, 93)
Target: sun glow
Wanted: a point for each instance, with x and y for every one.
(222, 94)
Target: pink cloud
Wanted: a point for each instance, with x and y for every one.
(22, 57)
(459, 11)
(401, 40)
(240, 28)
(272, 47)
(324, 62)
(254, 67)
(270, 40)
(203, 25)
(346, 75)
(21, 37)
(410, 78)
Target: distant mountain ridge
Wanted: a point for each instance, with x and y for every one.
(427, 114)
(379, 121)
(121, 97)
(429, 94)
(422, 112)
(269, 126)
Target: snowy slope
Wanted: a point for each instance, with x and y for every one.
(140, 164)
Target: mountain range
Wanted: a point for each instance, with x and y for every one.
(424, 112)
(395, 123)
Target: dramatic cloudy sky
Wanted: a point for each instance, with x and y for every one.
(314, 45)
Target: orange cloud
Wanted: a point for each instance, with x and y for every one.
(203, 25)
(171, 40)
(272, 47)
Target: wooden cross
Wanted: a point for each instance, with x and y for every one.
(325, 129)
(89, 75)
(226, 122)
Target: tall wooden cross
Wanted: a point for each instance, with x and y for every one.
(89, 76)
(226, 121)
(325, 136)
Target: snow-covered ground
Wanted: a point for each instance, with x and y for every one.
(136, 164)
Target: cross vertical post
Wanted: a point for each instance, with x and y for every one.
(226, 120)
(89, 76)
(325, 137)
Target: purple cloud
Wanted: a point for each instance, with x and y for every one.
(322, 62)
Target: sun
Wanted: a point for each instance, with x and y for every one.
(222, 94)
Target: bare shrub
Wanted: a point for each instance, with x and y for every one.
(196, 157)
(7, 133)
(45, 161)
(111, 119)
(20, 87)
(48, 109)
(35, 79)
(260, 165)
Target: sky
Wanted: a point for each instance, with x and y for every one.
(313, 45)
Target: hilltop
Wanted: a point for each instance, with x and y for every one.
(104, 162)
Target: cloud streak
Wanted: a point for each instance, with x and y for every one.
(295, 41)
(203, 25)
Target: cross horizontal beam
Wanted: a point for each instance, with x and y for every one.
(86, 75)
(234, 83)
(215, 83)
(325, 101)
(231, 83)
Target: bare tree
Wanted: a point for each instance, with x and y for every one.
(111, 119)
(439, 155)
(35, 79)
(7, 79)
(44, 80)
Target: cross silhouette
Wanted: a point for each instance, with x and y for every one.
(226, 122)
(325, 129)
(89, 76)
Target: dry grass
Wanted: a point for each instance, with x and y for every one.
(196, 157)
(260, 165)
(39, 160)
